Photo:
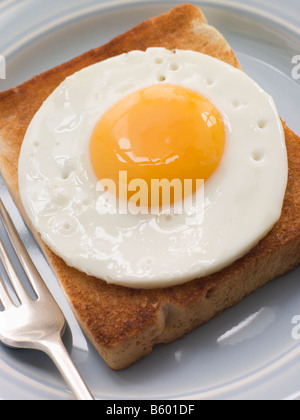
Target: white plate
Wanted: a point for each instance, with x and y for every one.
(248, 352)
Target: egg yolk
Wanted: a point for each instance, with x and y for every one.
(160, 132)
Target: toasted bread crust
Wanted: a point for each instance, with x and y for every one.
(124, 324)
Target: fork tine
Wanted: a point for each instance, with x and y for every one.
(43, 321)
(5, 299)
(31, 271)
(12, 275)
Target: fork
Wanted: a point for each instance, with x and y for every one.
(34, 323)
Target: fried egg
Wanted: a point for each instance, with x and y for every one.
(154, 115)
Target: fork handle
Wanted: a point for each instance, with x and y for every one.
(55, 349)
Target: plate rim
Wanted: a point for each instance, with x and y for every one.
(109, 5)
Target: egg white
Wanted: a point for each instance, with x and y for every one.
(243, 198)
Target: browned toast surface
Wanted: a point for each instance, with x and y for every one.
(124, 323)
